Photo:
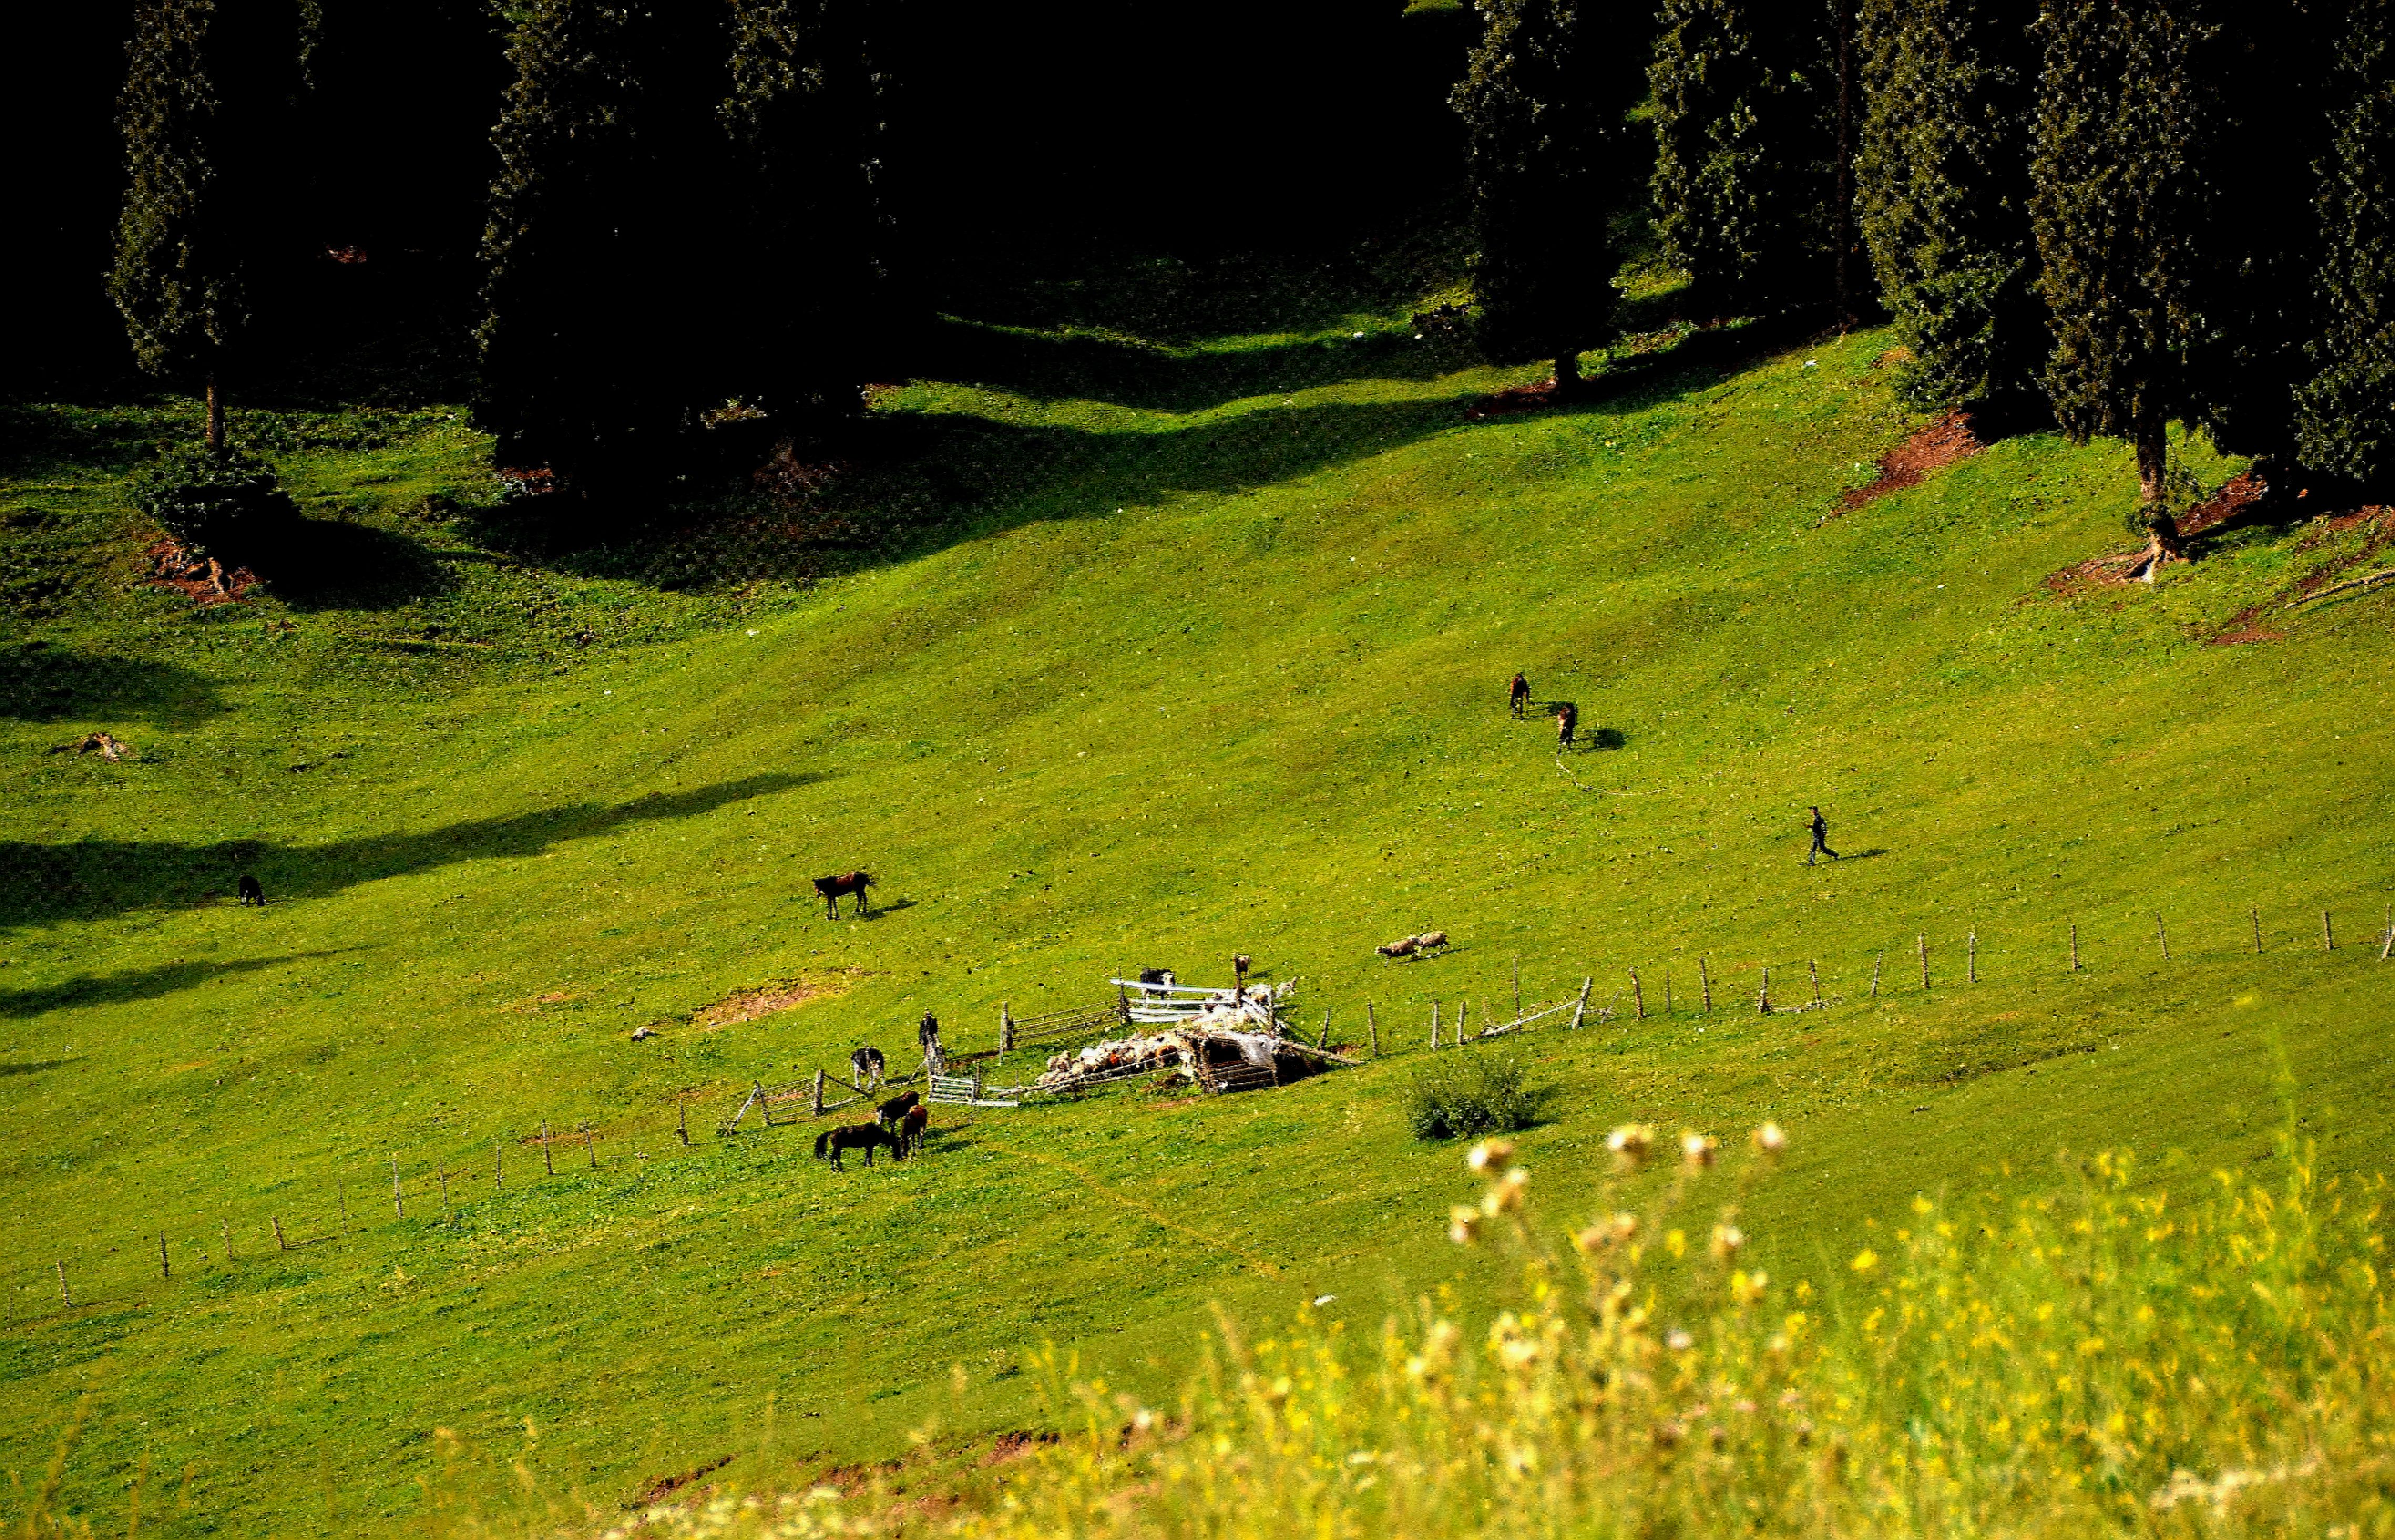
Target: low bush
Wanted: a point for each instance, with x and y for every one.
(1457, 1097)
(222, 505)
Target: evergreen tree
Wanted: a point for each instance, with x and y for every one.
(603, 235)
(1746, 143)
(2346, 415)
(1943, 192)
(1543, 151)
(207, 93)
(2128, 125)
(808, 116)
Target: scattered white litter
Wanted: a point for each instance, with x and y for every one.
(752, 632)
(606, 692)
(1359, 336)
(1809, 362)
(1325, 1298)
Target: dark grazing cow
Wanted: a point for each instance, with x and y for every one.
(250, 892)
(849, 882)
(1157, 976)
(867, 1065)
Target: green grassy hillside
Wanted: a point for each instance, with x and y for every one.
(1188, 636)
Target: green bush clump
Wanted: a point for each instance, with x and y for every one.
(1479, 1094)
(220, 504)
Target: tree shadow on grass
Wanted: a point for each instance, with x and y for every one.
(143, 984)
(43, 684)
(42, 885)
(330, 564)
(30, 1066)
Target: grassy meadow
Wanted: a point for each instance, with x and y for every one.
(1184, 630)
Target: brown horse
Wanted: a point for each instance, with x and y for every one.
(917, 1124)
(850, 882)
(1567, 723)
(1519, 701)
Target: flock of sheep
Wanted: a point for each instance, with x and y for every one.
(1414, 945)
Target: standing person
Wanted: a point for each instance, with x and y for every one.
(927, 1032)
(1819, 828)
(1519, 701)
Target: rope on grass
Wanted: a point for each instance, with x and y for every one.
(1602, 791)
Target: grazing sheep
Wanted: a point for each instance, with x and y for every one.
(1432, 938)
(1396, 950)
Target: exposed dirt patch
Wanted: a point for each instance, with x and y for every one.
(236, 582)
(2242, 629)
(2223, 507)
(1894, 355)
(1911, 462)
(747, 1004)
(664, 1487)
(1012, 1446)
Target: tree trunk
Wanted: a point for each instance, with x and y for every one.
(1566, 373)
(2154, 453)
(1845, 233)
(216, 415)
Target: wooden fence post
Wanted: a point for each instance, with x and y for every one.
(1921, 940)
(443, 1167)
(2074, 949)
(545, 1158)
(1373, 1028)
(1971, 958)
(589, 1147)
(1705, 983)
(279, 1244)
(765, 1108)
(1517, 989)
(2162, 935)
(1667, 991)
(2328, 936)
(165, 1268)
(976, 1085)
(342, 1198)
(684, 1108)
(499, 1166)
(1763, 995)
(1005, 1032)
(1638, 994)
(2257, 914)
(396, 1201)
(228, 1238)
(64, 1297)
(1324, 1041)
(1875, 961)
(818, 1107)
(1583, 1003)
(2390, 943)
(1815, 969)
(1434, 1020)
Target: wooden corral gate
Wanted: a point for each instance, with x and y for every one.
(1014, 1030)
(967, 1090)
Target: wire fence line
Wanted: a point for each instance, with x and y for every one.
(283, 1230)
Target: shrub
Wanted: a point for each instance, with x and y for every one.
(222, 505)
(1478, 1093)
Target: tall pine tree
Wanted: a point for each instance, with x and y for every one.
(2344, 422)
(2129, 125)
(809, 118)
(206, 99)
(604, 254)
(1746, 141)
(1942, 193)
(1543, 135)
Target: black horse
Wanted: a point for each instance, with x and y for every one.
(867, 1137)
(1518, 701)
(250, 892)
(866, 1064)
(897, 1107)
(848, 882)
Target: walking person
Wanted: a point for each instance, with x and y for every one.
(1518, 702)
(1819, 828)
(927, 1032)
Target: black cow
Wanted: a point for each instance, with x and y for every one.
(251, 892)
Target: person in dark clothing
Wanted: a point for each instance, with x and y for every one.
(927, 1032)
(1820, 827)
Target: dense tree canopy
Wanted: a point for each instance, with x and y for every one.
(205, 114)
(1943, 190)
(2128, 129)
(1544, 131)
(2346, 420)
(1744, 101)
